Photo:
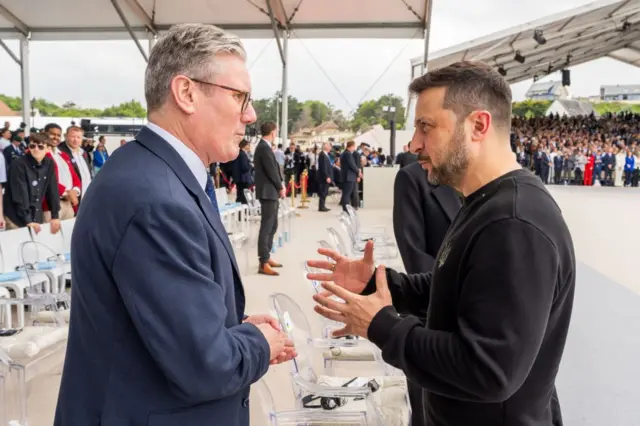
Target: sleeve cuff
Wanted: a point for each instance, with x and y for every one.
(371, 285)
(381, 326)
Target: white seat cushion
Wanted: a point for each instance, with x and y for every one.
(47, 316)
(32, 340)
(350, 353)
(390, 399)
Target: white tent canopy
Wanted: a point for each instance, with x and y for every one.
(32, 20)
(603, 28)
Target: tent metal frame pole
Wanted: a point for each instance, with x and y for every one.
(24, 82)
(284, 122)
(427, 35)
(10, 53)
(125, 22)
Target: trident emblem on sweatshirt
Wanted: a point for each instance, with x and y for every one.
(443, 256)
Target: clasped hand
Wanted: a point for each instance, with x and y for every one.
(282, 348)
(346, 280)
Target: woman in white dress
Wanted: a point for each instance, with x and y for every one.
(619, 167)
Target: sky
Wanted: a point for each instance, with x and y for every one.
(342, 72)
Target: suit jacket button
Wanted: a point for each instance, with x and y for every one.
(245, 402)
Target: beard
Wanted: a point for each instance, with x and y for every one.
(454, 163)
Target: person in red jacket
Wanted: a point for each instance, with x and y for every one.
(69, 183)
(588, 169)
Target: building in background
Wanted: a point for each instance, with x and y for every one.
(547, 91)
(621, 93)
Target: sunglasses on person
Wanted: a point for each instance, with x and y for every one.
(40, 146)
(243, 96)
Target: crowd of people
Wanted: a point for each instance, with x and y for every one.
(584, 150)
(45, 174)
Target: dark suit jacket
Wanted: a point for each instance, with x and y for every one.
(241, 169)
(406, 158)
(324, 168)
(156, 335)
(422, 214)
(65, 148)
(268, 179)
(10, 154)
(348, 166)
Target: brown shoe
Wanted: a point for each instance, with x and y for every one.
(265, 269)
(274, 264)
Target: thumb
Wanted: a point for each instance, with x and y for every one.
(368, 252)
(382, 286)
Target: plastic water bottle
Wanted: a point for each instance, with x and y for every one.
(273, 248)
(286, 236)
(280, 240)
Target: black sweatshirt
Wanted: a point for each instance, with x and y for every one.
(499, 305)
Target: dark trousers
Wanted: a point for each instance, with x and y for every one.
(557, 175)
(268, 228)
(347, 193)
(323, 190)
(544, 175)
(417, 404)
(355, 195)
(240, 187)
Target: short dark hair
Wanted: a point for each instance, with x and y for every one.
(267, 127)
(52, 126)
(470, 86)
(40, 138)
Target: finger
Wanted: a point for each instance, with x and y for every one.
(329, 314)
(368, 252)
(273, 323)
(321, 264)
(381, 279)
(330, 253)
(320, 277)
(329, 303)
(342, 293)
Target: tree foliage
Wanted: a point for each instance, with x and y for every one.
(130, 109)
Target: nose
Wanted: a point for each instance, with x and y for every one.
(417, 143)
(249, 115)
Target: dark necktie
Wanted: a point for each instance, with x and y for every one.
(211, 193)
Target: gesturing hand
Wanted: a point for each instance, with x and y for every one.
(352, 275)
(281, 346)
(357, 311)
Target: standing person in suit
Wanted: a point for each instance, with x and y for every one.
(406, 157)
(269, 190)
(158, 332)
(357, 158)
(242, 172)
(422, 214)
(350, 172)
(324, 174)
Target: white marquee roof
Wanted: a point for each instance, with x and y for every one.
(603, 28)
(98, 19)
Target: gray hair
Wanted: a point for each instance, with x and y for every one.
(187, 49)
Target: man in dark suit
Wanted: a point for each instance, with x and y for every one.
(406, 157)
(357, 158)
(324, 174)
(350, 172)
(422, 214)
(158, 332)
(269, 189)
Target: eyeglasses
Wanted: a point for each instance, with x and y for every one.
(38, 145)
(245, 96)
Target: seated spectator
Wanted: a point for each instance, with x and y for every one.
(31, 179)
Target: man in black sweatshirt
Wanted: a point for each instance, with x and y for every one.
(498, 302)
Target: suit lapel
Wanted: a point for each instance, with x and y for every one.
(162, 149)
(448, 200)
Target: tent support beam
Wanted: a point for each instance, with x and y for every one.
(284, 122)
(124, 20)
(24, 81)
(18, 24)
(141, 14)
(276, 25)
(427, 36)
(10, 53)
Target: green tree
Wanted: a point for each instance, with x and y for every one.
(371, 112)
(531, 108)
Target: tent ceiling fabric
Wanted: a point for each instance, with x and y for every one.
(97, 19)
(603, 28)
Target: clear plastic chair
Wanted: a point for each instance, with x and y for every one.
(387, 405)
(351, 251)
(306, 416)
(383, 250)
(375, 232)
(13, 392)
(379, 238)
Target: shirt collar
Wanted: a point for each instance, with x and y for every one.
(188, 156)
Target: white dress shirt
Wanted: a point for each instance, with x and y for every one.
(190, 158)
(85, 174)
(64, 173)
(4, 143)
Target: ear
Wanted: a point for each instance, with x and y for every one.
(184, 94)
(481, 122)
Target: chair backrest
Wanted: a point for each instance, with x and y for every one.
(66, 226)
(339, 243)
(354, 218)
(10, 247)
(266, 401)
(294, 322)
(346, 225)
(53, 241)
(221, 196)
